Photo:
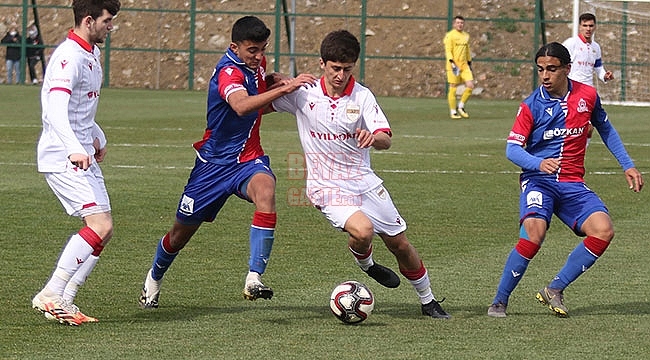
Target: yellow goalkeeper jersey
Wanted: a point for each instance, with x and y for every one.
(457, 48)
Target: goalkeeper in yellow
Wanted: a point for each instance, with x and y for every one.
(459, 67)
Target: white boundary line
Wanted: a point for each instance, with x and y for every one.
(278, 171)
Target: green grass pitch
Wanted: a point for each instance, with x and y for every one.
(449, 178)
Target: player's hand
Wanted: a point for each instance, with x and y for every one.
(609, 76)
(550, 166)
(274, 80)
(455, 69)
(100, 153)
(290, 85)
(81, 161)
(365, 138)
(634, 179)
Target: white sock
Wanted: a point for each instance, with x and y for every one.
(423, 288)
(75, 253)
(79, 278)
(363, 260)
(461, 105)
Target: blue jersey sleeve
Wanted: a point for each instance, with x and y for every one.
(610, 136)
(522, 158)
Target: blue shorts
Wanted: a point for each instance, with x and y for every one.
(571, 202)
(210, 185)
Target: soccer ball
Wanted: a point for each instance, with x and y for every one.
(351, 302)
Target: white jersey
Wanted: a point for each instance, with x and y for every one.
(69, 99)
(327, 129)
(585, 59)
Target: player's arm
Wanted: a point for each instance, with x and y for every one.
(99, 143)
(243, 104)
(603, 75)
(57, 114)
(380, 140)
(613, 142)
(449, 46)
(517, 139)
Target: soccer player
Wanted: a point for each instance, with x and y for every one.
(230, 159)
(586, 56)
(338, 122)
(69, 149)
(459, 67)
(548, 141)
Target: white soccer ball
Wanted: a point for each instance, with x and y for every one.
(351, 302)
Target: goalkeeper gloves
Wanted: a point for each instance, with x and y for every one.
(455, 69)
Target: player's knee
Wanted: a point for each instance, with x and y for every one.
(398, 244)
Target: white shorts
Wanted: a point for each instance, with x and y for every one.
(376, 204)
(81, 193)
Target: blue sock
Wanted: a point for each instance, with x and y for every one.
(513, 271)
(261, 242)
(161, 261)
(578, 262)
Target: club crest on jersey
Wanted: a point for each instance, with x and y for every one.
(582, 106)
(352, 112)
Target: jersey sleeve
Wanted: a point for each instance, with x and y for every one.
(598, 65)
(374, 118)
(608, 133)
(287, 103)
(518, 138)
(62, 75)
(449, 46)
(230, 79)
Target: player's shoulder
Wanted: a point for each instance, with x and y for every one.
(583, 91)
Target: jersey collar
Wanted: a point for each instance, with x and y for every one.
(234, 58)
(583, 39)
(76, 38)
(346, 92)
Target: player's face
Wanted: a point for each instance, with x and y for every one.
(587, 29)
(99, 28)
(553, 75)
(251, 53)
(337, 75)
(459, 24)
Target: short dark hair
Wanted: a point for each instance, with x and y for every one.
(587, 17)
(250, 28)
(459, 17)
(340, 46)
(93, 8)
(554, 49)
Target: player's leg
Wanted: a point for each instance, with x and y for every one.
(451, 100)
(531, 236)
(412, 267)
(166, 251)
(361, 231)
(536, 210)
(206, 191)
(599, 230)
(260, 189)
(89, 200)
(469, 87)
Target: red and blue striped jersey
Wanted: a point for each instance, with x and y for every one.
(230, 138)
(548, 127)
